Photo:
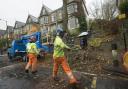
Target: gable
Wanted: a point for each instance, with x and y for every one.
(32, 19)
(45, 11)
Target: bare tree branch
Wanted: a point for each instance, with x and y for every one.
(104, 9)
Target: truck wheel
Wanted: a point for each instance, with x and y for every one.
(9, 57)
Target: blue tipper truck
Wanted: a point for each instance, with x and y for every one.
(18, 47)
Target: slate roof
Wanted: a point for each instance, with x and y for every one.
(19, 24)
(33, 19)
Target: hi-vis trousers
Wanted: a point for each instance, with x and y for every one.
(32, 62)
(63, 62)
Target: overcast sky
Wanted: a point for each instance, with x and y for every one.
(18, 10)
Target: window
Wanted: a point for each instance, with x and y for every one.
(44, 20)
(73, 23)
(72, 8)
(59, 14)
(75, 7)
(19, 43)
(16, 31)
(53, 17)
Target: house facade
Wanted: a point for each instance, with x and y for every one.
(18, 29)
(2, 34)
(44, 21)
(31, 25)
(51, 20)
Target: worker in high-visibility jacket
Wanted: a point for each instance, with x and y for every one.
(32, 55)
(60, 59)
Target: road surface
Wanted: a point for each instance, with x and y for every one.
(12, 76)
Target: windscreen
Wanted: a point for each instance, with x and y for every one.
(19, 45)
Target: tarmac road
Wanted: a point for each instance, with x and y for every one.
(12, 76)
(4, 61)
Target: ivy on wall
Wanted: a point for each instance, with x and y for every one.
(82, 24)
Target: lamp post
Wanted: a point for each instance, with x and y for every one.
(7, 31)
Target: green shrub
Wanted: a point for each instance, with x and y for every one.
(123, 7)
(95, 42)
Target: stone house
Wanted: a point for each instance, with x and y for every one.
(18, 29)
(51, 20)
(31, 25)
(2, 34)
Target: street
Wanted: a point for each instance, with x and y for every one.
(4, 61)
(54, 44)
(12, 76)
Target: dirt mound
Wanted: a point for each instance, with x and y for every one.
(90, 60)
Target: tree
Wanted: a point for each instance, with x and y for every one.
(82, 16)
(3, 43)
(108, 9)
(83, 24)
(95, 10)
(123, 7)
(104, 9)
(65, 16)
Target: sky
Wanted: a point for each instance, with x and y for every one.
(18, 10)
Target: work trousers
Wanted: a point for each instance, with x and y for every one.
(32, 62)
(63, 62)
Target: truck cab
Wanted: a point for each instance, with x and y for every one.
(17, 49)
